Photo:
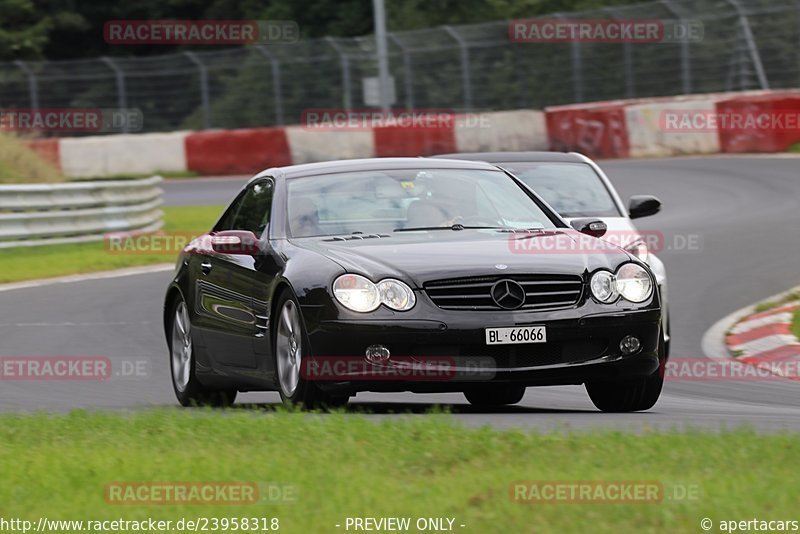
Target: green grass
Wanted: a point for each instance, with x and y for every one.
(27, 263)
(771, 305)
(419, 466)
(20, 164)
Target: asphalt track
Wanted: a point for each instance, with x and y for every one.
(745, 212)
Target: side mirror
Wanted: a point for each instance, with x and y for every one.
(235, 242)
(643, 206)
(592, 227)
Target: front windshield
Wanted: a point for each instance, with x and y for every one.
(372, 202)
(572, 189)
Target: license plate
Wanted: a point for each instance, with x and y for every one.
(516, 334)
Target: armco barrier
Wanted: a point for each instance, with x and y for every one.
(237, 151)
(309, 145)
(111, 155)
(749, 139)
(613, 129)
(415, 140)
(41, 214)
(517, 130)
(648, 138)
(597, 130)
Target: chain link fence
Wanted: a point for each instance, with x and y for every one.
(746, 44)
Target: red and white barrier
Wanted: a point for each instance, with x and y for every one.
(780, 110)
(614, 129)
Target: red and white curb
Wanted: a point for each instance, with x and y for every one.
(765, 338)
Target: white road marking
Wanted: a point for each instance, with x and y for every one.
(101, 275)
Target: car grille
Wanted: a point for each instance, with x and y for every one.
(542, 292)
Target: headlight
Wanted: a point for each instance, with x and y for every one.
(356, 293)
(638, 249)
(603, 286)
(359, 294)
(396, 295)
(634, 283)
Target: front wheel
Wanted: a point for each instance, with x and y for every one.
(188, 390)
(633, 394)
(290, 347)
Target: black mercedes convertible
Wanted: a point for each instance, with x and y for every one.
(408, 274)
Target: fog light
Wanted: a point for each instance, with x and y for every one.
(629, 345)
(377, 353)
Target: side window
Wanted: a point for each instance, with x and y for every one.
(252, 210)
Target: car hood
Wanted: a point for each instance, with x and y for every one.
(419, 257)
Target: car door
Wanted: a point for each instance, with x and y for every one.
(230, 317)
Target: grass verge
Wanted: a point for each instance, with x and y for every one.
(343, 466)
(28, 263)
(771, 305)
(20, 164)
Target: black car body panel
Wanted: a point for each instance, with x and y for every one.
(232, 306)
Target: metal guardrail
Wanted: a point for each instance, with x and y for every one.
(46, 214)
(746, 45)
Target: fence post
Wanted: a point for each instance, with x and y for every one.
(203, 70)
(407, 70)
(686, 66)
(346, 83)
(33, 83)
(627, 66)
(466, 77)
(122, 97)
(577, 66)
(276, 82)
(744, 23)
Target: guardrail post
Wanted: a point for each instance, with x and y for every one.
(755, 57)
(204, 99)
(627, 63)
(577, 67)
(466, 77)
(276, 82)
(686, 68)
(346, 83)
(407, 70)
(122, 96)
(33, 83)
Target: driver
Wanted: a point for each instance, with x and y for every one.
(438, 206)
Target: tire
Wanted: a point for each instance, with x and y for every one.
(495, 395)
(290, 344)
(632, 395)
(188, 390)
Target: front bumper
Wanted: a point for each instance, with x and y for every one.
(579, 348)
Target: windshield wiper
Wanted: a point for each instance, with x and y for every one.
(455, 227)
